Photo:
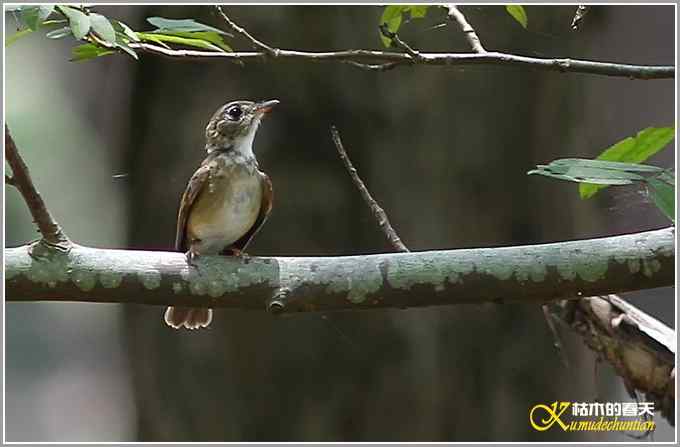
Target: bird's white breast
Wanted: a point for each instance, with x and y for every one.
(229, 206)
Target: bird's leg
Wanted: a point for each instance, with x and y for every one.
(233, 251)
(191, 256)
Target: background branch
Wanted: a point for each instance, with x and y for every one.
(21, 179)
(378, 212)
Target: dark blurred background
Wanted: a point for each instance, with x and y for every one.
(445, 150)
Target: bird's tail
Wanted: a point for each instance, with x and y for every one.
(189, 317)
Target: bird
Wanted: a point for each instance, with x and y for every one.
(227, 199)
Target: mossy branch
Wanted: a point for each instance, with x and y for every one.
(528, 274)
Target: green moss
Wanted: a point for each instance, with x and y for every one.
(634, 265)
(110, 280)
(592, 271)
(150, 279)
(83, 279)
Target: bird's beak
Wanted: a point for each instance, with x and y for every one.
(266, 106)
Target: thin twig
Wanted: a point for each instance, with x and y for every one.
(378, 212)
(468, 30)
(557, 340)
(245, 34)
(21, 179)
(447, 59)
(374, 67)
(397, 42)
(581, 12)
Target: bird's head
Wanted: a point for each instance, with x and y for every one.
(233, 126)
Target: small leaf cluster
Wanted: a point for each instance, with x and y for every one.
(620, 165)
(394, 16)
(103, 36)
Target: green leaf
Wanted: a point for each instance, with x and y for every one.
(185, 25)
(635, 149)
(78, 20)
(125, 47)
(9, 40)
(59, 33)
(126, 30)
(122, 42)
(89, 51)
(518, 13)
(601, 164)
(103, 28)
(24, 32)
(392, 17)
(418, 11)
(151, 37)
(171, 38)
(662, 190)
(595, 171)
(33, 16)
(207, 36)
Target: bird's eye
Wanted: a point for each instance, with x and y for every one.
(234, 113)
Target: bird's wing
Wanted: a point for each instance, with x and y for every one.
(265, 209)
(196, 183)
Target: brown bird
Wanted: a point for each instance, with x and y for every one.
(227, 199)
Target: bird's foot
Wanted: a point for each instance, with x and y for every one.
(191, 257)
(245, 257)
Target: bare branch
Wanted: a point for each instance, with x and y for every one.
(374, 67)
(21, 179)
(557, 340)
(245, 34)
(378, 212)
(470, 34)
(435, 59)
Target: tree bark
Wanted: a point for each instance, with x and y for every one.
(530, 274)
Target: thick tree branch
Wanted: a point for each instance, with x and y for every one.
(378, 212)
(373, 58)
(21, 179)
(470, 34)
(529, 274)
